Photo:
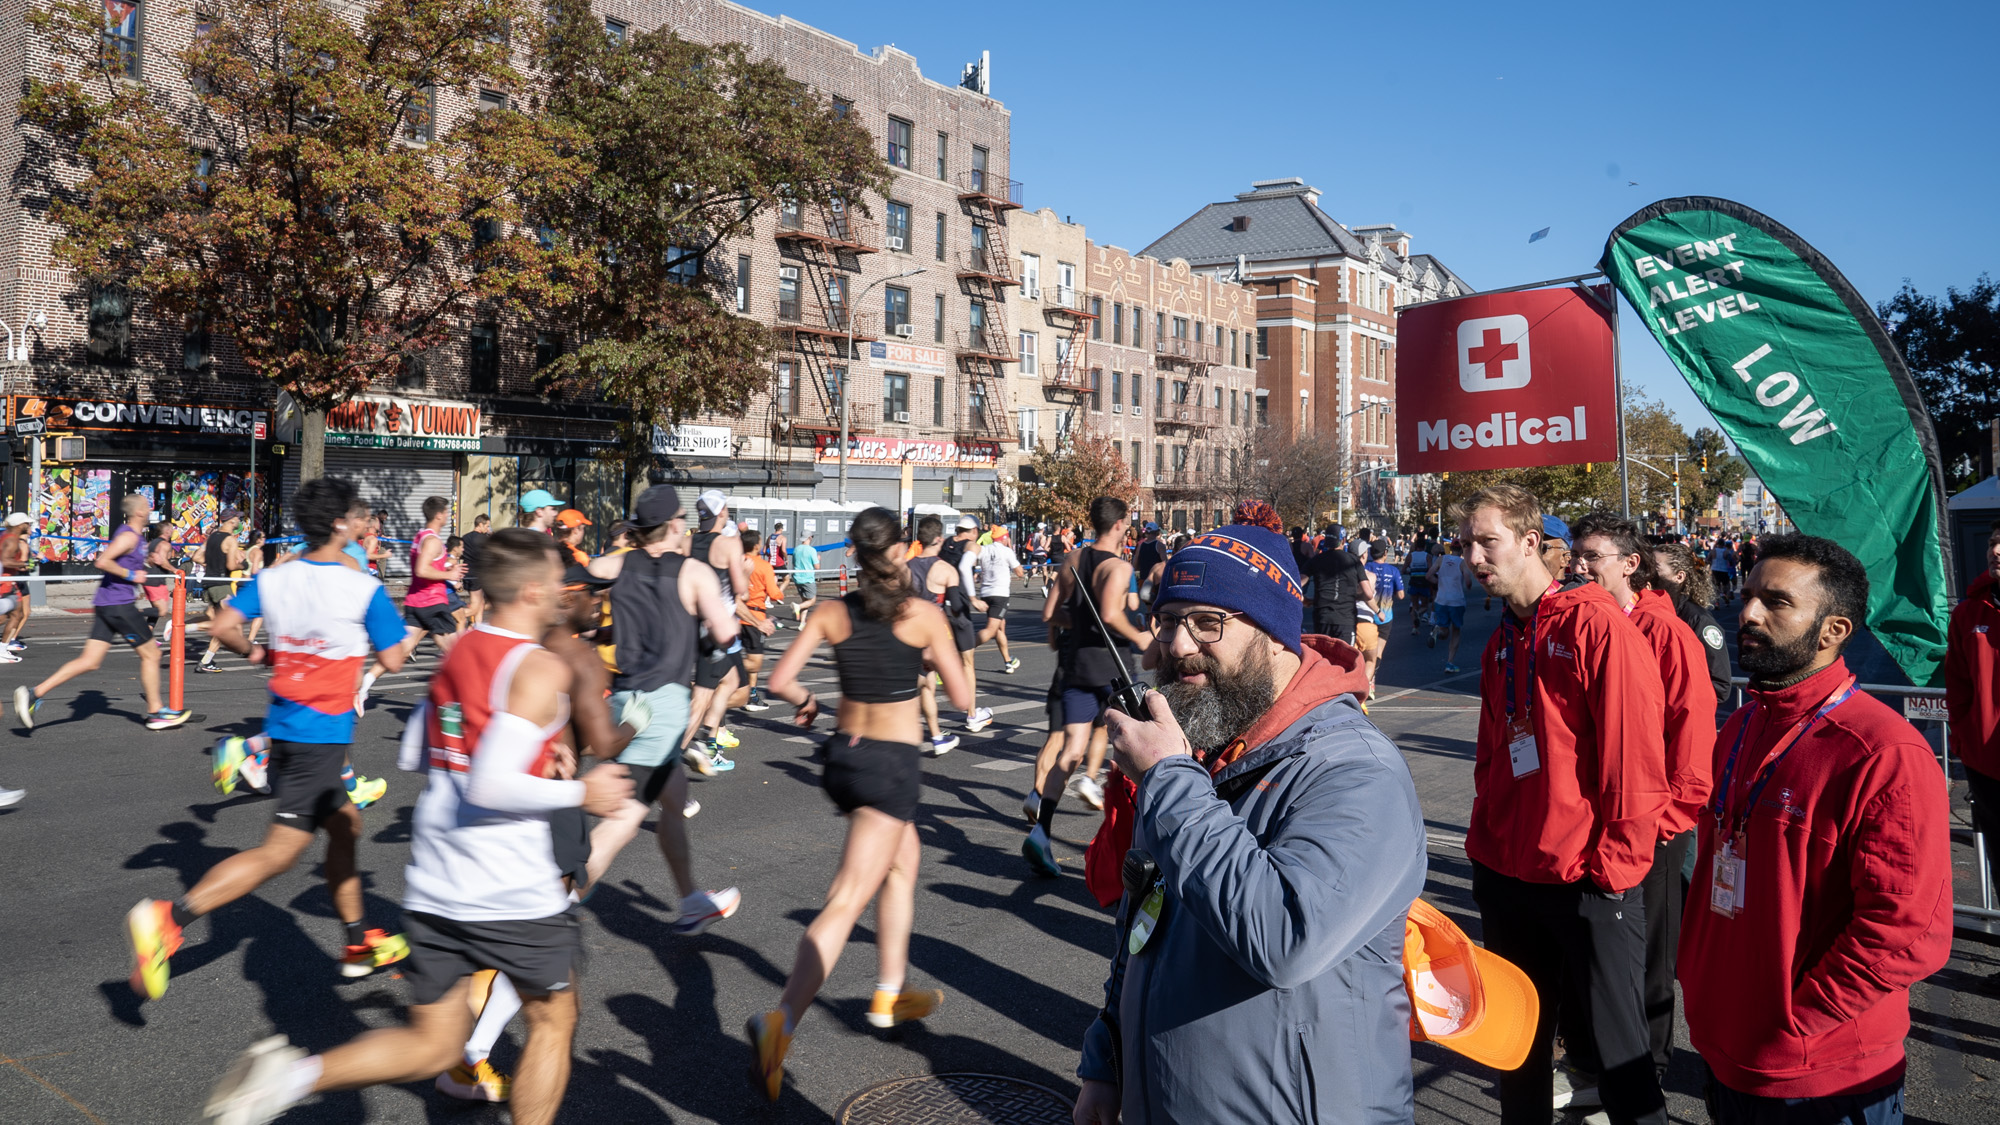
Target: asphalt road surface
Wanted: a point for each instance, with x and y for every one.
(116, 813)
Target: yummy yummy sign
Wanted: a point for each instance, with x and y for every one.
(387, 422)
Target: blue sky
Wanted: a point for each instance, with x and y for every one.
(1868, 129)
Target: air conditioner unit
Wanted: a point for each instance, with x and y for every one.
(903, 416)
(1117, 408)
(906, 330)
(895, 243)
(1032, 292)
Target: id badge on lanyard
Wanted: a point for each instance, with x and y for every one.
(1146, 919)
(1729, 873)
(1523, 756)
(1726, 879)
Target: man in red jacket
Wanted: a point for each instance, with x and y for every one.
(1822, 884)
(1610, 552)
(1972, 691)
(1569, 786)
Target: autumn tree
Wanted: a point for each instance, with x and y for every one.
(689, 146)
(301, 197)
(1058, 484)
(1951, 345)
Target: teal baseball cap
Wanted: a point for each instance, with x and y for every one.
(539, 499)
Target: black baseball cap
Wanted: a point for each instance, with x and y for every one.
(656, 506)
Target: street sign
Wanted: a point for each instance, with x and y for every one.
(257, 431)
(29, 426)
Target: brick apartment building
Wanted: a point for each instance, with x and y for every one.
(1327, 296)
(174, 415)
(1152, 355)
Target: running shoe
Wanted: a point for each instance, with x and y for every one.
(476, 1083)
(1433, 638)
(257, 1088)
(1031, 805)
(205, 667)
(25, 705)
(361, 697)
(943, 744)
(17, 646)
(1036, 849)
(226, 761)
(979, 720)
(691, 810)
(892, 1008)
(756, 702)
(703, 909)
(155, 936)
(9, 657)
(697, 759)
(1451, 668)
(11, 797)
(257, 771)
(725, 739)
(1575, 1088)
(1091, 792)
(166, 718)
(722, 762)
(378, 948)
(367, 791)
(1012, 666)
(769, 1041)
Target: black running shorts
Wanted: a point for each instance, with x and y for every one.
(433, 619)
(962, 633)
(1054, 703)
(569, 832)
(305, 777)
(752, 638)
(115, 624)
(996, 607)
(869, 773)
(538, 954)
(710, 665)
(649, 781)
(1085, 704)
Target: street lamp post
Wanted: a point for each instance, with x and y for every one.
(847, 372)
(1340, 505)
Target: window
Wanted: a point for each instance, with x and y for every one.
(1097, 318)
(548, 348)
(1159, 396)
(110, 325)
(196, 352)
(978, 260)
(895, 398)
(1232, 347)
(1066, 276)
(940, 236)
(743, 283)
(1062, 356)
(1180, 392)
(895, 310)
(1197, 332)
(937, 401)
(1138, 321)
(614, 30)
(491, 100)
(121, 37)
(944, 143)
(1180, 328)
(781, 393)
(1117, 392)
(205, 20)
(1180, 459)
(838, 377)
(1218, 338)
(1028, 441)
(1218, 400)
(788, 292)
(420, 116)
(1263, 343)
(1138, 467)
(836, 301)
(900, 136)
(413, 372)
(483, 362)
(975, 403)
(1160, 457)
(1031, 276)
(842, 107)
(1096, 390)
(976, 316)
(1030, 352)
(899, 226)
(1263, 408)
(1117, 323)
(937, 319)
(978, 168)
(1159, 327)
(1138, 391)
(1232, 406)
(683, 265)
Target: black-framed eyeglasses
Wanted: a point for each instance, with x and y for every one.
(1598, 556)
(1204, 626)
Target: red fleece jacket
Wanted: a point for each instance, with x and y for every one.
(1689, 732)
(1972, 677)
(1806, 992)
(1593, 808)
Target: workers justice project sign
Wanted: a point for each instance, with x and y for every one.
(1504, 382)
(1806, 382)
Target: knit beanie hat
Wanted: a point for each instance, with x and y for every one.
(1243, 568)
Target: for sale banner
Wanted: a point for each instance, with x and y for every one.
(1803, 378)
(1505, 381)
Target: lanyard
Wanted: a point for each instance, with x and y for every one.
(1798, 732)
(1511, 629)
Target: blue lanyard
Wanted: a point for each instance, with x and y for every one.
(1510, 628)
(1838, 697)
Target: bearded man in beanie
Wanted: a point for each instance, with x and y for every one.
(1276, 849)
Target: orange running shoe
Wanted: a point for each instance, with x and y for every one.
(892, 1008)
(768, 1043)
(379, 948)
(155, 938)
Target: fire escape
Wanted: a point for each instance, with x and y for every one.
(820, 247)
(1187, 419)
(1067, 380)
(985, 271)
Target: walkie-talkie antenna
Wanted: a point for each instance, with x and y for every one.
(1127, 694)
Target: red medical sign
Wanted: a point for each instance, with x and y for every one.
(1505, 382)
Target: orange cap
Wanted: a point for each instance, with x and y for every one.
(1463, 997)
(570, 517)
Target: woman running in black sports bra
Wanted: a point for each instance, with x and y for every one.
(873, 773)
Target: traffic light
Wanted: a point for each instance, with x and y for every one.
(1589, 468)
(1704, 462)
(1446, 476)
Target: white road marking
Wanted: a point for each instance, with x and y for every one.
(1002, 767)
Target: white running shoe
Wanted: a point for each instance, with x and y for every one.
(691, 810)
(1035, 849)
(255, 1089)
(9, 656)
(979, 720)
(697, 759)
(703, 909)
(11, 797)
(256, 772)
(1091, 792)
(361, 697)
(943, 744)
(1031, 805)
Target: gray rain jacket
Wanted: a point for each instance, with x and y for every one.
(1272, 989)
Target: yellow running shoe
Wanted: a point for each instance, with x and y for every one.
(155, 937)
(725, 739)
(892, 1008)
(768, 1042)
(477, 1083)
(367, 791)
(379, 948)
(227, 758)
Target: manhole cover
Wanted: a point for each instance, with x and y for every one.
(956, 1099)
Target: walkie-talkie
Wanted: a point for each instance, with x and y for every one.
(1127, 695)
